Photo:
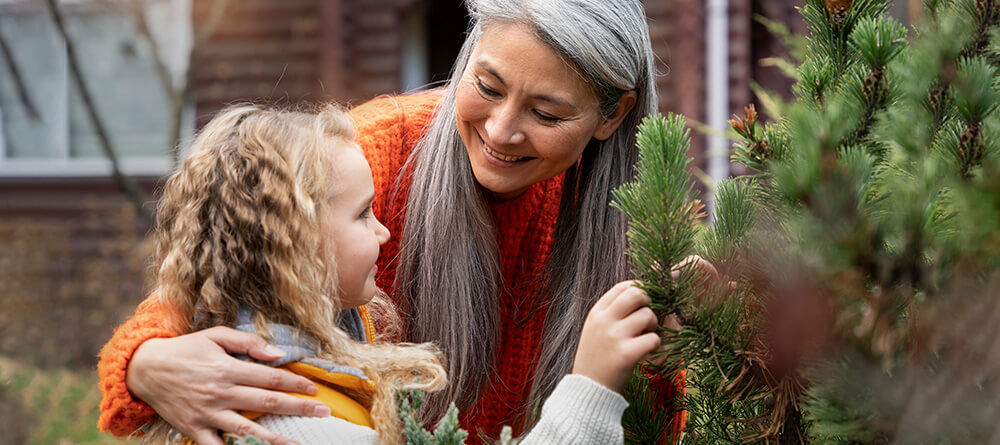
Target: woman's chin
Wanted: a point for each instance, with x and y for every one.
(499, 188)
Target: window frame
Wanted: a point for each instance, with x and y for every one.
(68, 166)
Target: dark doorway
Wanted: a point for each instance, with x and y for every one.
(447, 22)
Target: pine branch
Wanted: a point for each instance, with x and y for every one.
(662, 214)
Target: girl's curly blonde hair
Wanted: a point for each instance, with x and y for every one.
(237, 228)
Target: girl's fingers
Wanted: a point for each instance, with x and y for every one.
(236, 424)
(642, 320)
(272, 402)
(642, 346)
(266, 377)
(630, 300)
(612, 294)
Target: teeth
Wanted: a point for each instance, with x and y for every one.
(502, 156)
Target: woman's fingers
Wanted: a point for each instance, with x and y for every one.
(205, 436)
(670, 321)
(266, 377)
(238, 425)
(237, 342)
(697, 262)
(273, 402)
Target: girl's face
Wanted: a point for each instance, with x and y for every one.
(523, 114)
(348, 223)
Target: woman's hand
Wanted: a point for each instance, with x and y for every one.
(619, 331)
(194, 385)
(710, 291)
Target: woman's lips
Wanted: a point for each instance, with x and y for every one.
(500, 159)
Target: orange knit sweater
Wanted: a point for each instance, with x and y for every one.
(388, 128)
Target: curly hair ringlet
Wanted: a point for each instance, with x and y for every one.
(237, 227)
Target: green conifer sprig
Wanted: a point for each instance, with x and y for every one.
(883, 205)
(663, 214)
(878, 40)
(829, 30)
(649, 414)
(447, 431)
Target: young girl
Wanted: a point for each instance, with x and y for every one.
(268, 227)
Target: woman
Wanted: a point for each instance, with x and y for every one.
(500, 188)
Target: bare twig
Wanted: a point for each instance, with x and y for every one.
(179, 95)
(142, 25)
(15, 75)
(183, 96)
(128, 185)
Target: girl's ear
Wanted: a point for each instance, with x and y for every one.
(613, 120)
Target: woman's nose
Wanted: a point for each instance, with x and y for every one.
(503, 127)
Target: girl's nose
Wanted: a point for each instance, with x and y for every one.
(502, 127)
(381, 232)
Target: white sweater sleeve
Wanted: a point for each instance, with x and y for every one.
(319, 430)
(579, 411)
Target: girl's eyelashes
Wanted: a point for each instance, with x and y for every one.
(366, 212)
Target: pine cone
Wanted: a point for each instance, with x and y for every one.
(838, 7)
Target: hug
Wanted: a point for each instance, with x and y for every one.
(458, 240)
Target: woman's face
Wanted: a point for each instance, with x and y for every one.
(523, 114)
(347, 222)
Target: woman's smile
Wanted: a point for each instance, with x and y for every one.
(499, 158)
(522, 112)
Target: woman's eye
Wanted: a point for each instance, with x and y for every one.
(366, 212)
(486, 90)
(545, 117)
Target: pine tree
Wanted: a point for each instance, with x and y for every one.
(865, 250)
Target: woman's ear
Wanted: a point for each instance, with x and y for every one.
(613, 120)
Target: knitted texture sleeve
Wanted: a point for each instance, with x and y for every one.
(579, 411)
(121, 413)
(319, 430)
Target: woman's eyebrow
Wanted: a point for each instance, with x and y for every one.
(492, 71)
(543, 97)
(554, 100)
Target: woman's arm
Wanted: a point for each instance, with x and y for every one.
(191, 381)
(121, 413)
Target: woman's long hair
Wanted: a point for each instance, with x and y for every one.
(449, 266)
(237, 227)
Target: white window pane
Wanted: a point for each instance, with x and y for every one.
(38, 53)
(118, 68)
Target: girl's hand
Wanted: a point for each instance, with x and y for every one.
(619, 331)
(194, 385)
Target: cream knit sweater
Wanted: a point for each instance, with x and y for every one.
(579, 411)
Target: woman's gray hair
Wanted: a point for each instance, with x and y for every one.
(448, 276)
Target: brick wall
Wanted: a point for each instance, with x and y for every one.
(317, 51)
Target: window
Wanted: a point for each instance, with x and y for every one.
(117, 67)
